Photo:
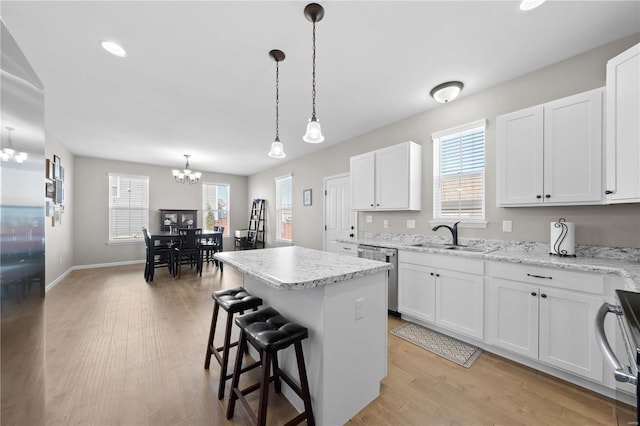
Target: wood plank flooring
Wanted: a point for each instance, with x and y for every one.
(120, 351)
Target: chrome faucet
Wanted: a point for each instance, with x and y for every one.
(453, 229)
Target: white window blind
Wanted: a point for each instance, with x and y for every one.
(458, 173)
(128, 206)
(284, 208)
(215, 206)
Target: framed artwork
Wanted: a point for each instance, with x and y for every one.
(49, 190)
(58, 192)
(62, 173)
(306, 197)
(49, 171)
(56, 167)
(57, 216)
(48, 208)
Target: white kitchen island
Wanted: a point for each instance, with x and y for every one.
(342, 300)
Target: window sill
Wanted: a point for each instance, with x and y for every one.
(463, 223)
(124, 242)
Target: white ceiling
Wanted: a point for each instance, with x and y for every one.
(198, 79)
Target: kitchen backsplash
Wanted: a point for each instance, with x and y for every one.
(618, 253)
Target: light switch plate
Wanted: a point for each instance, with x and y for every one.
(411, 223)
(359, 308)
(386, 223)
(369, 218)
(507, 226)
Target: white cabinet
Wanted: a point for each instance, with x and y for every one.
(445, 290)
(349, 249)
(623, 128)
(551, 321)
(387, 179)
(551, 154)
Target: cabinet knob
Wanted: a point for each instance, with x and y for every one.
(547, 196)
(608, 192)
(432, 274)
(544, 296)
(378, 205)
(538, 196)
(371, 205)
(437, 275)
(351, 235)
(534, 294)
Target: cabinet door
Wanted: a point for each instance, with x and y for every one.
(513, 316)
(566, 332)
(460, 302)
(573, 149)
(363, 181)
(416, 291)
(623, 128)
(519, 156)
(392, 177)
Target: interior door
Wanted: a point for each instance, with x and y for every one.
(340, 221)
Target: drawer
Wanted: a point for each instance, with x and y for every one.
(347, 248)
(548, 277)
(452, 263)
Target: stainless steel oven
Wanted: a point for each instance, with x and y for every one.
(388, 255)
(626, 364)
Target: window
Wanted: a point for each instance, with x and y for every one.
(215, 206)
(284, 208)
(128, 207)
(458, 174)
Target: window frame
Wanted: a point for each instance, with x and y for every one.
(227, 226)
(136, 237)
(437, 218)
(279, 209)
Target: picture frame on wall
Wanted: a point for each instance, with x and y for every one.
(49, 208)
(57, 215)
(306, 197)
(49, 171)
(49, 190)
(57, 163)
(58, 192)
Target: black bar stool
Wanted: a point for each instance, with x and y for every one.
(235, 300)
(269, 332)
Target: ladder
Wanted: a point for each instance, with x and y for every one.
(255, 235)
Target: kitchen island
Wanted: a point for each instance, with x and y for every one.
(342, 300)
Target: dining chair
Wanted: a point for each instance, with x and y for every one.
(157, 256)
(212, 244)
(188, 250)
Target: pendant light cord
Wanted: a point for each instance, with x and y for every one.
(277, 99)
(313, 90)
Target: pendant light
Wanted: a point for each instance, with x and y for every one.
(277, 151)
(187, 175)
(314, 13)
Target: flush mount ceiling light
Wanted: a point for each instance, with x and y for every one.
(314, 13)
(277, 151)
(114, 48)
(530, 4)
(446, 92)
(186, 175)
(8, 153)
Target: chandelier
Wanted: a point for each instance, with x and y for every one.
(8, 153)
(187, 175)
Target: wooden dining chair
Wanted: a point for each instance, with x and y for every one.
(157, 256)
(188, 250)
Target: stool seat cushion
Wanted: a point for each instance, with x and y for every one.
(234, 300)
(269, 330)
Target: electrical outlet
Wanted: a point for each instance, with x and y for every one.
(507, 226)
(369, 218)
(411, 224)
(386, 223)
(359, 308)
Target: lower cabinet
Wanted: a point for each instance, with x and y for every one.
(552, 325)
(431, 289)
(349, 249)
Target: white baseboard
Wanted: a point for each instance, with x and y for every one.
(96, 265)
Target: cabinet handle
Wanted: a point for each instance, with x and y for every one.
(608, 192)
(539, 276)
(538, 196)
(432, 274)
(534, 294)
(437, 275)
(377, 205)
(351, 235)
(371, 205)
(544, 296)
(547, 196)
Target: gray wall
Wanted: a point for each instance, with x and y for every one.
(617, 225)
(91, 216)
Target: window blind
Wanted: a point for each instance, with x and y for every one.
(458, 180)
(215, 206)
(284, 208)
(128, 206)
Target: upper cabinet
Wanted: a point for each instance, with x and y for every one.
(623, 127)
(387, 179)
(551, 154)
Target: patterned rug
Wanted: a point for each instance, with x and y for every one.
(447, 347)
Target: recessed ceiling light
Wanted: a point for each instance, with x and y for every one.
(530, 4)
(446, 92)
(114, 48)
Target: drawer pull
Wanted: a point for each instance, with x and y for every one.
(539, 276)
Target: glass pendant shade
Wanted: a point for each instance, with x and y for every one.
(314, 132)
(277, 150)
(186, 175)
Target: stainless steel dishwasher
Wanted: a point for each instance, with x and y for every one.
(388, 255)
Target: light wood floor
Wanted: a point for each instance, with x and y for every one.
(119, 351)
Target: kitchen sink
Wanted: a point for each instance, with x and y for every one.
(475, 249)
(433, 245)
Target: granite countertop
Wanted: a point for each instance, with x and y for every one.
(623, 262)
(298, 268)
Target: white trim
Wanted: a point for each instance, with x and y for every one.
(463, 223)
(458, 129)
(128, 175)
(55, 282)
(123, 242)
(283, 177)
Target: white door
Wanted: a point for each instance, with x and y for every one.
(340, 222)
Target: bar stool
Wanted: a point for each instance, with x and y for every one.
(235, 300)
(269, 332)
